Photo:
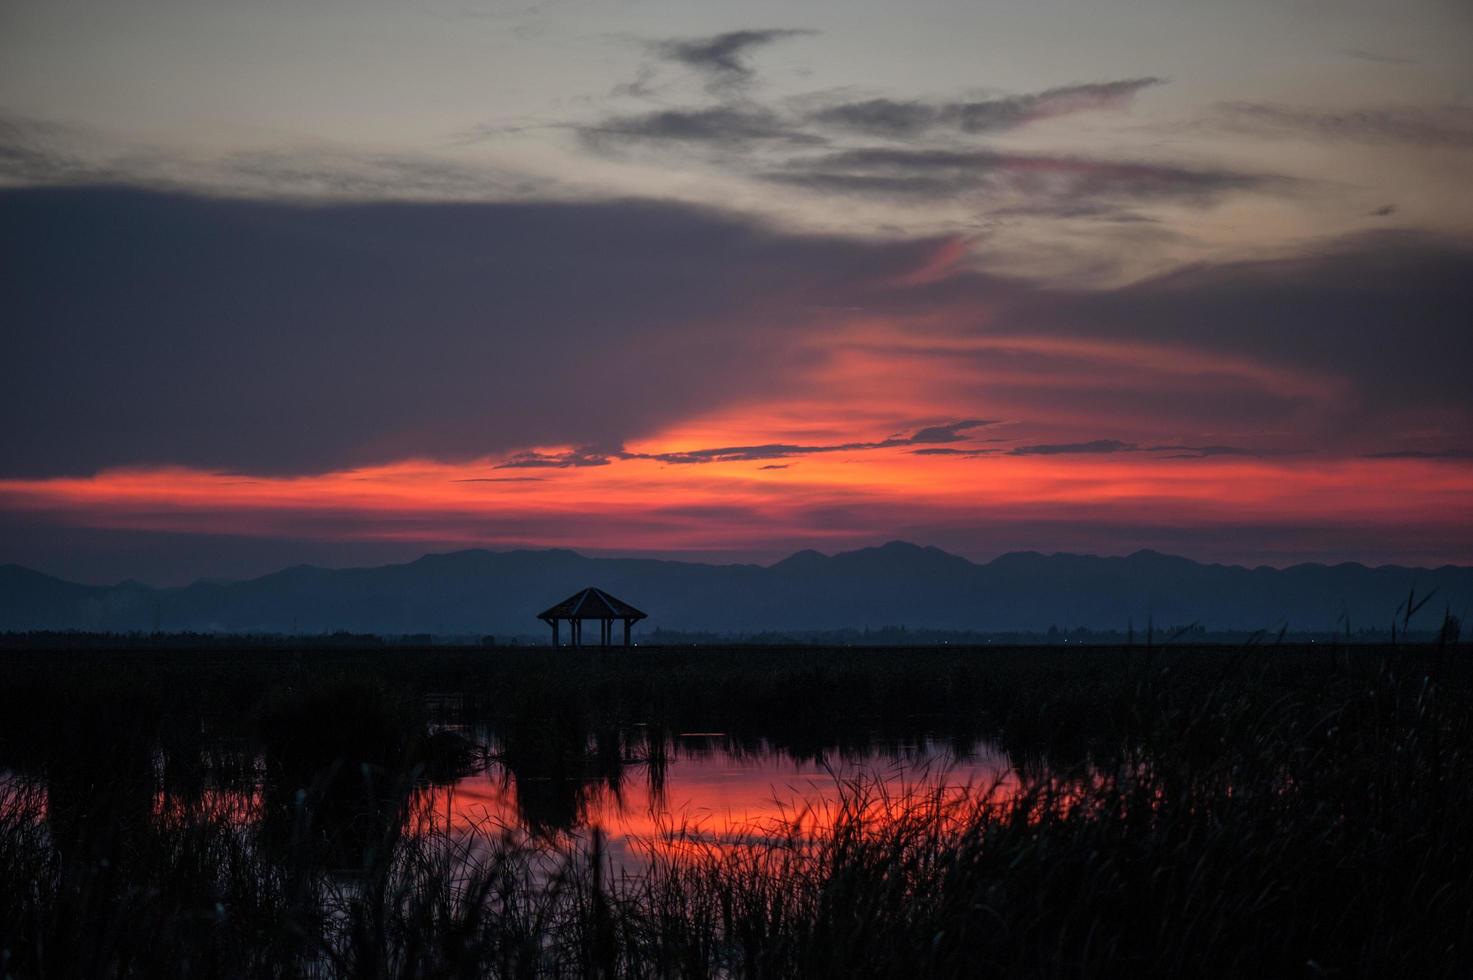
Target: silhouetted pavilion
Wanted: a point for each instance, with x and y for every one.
(591, 604)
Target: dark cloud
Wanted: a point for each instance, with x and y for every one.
(1097, 446)
(38, 153)
(950, 432)
(1371, 330)
(1450, 126)
(1094, 447)
(722, 57)
(1049, 182)
(642, 86)
(731, 454)
(1069, 448)
(724, 126)
(1051, 186)
(774, 466)
(1385, 211)
(1423, 454)
(905, 119)
(880, 117)
(1076, 210)
(1199, 452)
(573, 458)
(370, 176)
(149, 328)
(947, 451)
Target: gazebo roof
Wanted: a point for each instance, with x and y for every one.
(591, 603)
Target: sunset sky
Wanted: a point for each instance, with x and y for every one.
(347, 282)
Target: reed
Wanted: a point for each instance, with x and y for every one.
(1259, 811)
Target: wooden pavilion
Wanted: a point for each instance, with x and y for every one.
(590, 604)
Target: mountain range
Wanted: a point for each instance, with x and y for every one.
(897, 584)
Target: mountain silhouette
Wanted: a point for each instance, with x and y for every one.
(897, 584)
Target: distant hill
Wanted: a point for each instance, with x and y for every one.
(897, 584)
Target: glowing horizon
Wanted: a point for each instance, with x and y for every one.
(837, 501)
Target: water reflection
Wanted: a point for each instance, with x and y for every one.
(708, 788)
(332, 774)
(315, 806)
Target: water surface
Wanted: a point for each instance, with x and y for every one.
(708, 788)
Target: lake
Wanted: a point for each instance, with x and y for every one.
(707, 789)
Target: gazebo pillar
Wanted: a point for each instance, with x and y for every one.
(554, 634)
(627, 621)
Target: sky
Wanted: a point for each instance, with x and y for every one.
(344, 283)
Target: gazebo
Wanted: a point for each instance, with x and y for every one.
(591, 604)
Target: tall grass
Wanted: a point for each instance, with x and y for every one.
(1269, 812)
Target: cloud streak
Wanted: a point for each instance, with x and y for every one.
(1046, 182)
(1111, 446)
(1075, 448)
(36, 153)
(935, 434)
(1439, 126)
(907, 119)
(722, 58)
(1423, 454)
(718, 126)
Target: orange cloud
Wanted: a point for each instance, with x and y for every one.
(832, 499)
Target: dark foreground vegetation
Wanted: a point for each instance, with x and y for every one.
(1267, 810)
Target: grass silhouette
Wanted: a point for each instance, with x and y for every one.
(1177, 812)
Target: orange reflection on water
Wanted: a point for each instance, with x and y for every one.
(720, 800)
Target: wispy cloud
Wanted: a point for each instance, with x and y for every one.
(744, 121)
(584, 456)
(309, 172)
(499, 479)
(1423, 454)
(1047, 182)
(722, 58)
(1070, 448)
(1200, 452)
(1421, 125)
(1106, 446)
(905, 119)
(41, 153)
(948, 451)
(722, 125)
(37, 151)
(931, 435)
